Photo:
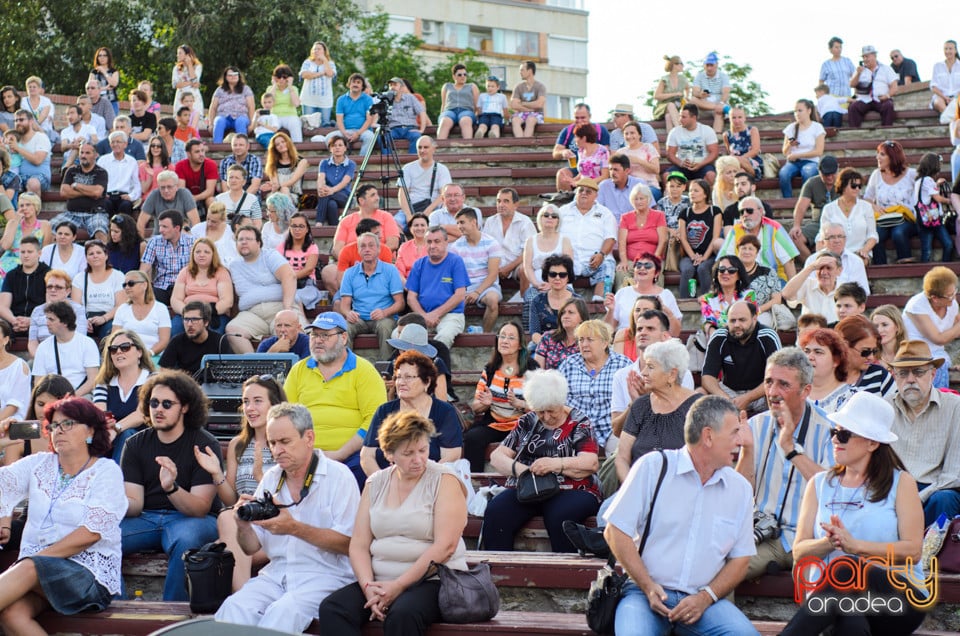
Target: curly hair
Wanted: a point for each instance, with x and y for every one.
(186, 389)
(426, 369)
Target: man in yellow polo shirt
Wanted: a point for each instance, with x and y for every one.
(341, 389)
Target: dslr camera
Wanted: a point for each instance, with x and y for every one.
(382, 102)
(259, 510)
(765, 527)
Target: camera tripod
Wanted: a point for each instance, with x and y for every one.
(382, 135)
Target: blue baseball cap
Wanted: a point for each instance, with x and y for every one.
(328, 320)
(712, 58)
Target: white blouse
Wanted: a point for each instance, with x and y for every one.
(859, 227)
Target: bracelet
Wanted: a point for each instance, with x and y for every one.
(220, 483)
(709, 591)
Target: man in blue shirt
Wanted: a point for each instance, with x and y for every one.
(288, 337)
(353, 115)
(614, 193)
(437, 286)
(371, 295)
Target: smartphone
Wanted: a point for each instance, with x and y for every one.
(263, 112)
(24, 429)
(384, 367)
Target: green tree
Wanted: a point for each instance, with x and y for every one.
(744, 91)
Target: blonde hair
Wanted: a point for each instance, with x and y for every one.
(108, 370)
(671, 60)
(595, 329)
(721, 189)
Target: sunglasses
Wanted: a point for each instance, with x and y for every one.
(132, 283)
(843, 436)
(727, 270)
(123, 346)
(460, 74)
(52, 287)
(748, 211)
(166, 404)
(644, 265)
(557, 274)
(866, 353)
(155, 146)
(550, 215)
(856, 186)
(918, 372)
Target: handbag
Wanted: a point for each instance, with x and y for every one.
(209, 576)
(606, 591)
(534, 488)
(467, 596)
(948, 558)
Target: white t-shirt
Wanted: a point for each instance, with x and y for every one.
(828, 104)
(76, 357)
(806, 139)
(73, 266)
(226, 245)
(100, 297)
(883, 78)
(919, 305)
(627, 296)
(149, 328)
(691, 144)
(86, 132)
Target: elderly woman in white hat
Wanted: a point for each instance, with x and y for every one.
(865, 507)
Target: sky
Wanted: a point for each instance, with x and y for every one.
(785, 43)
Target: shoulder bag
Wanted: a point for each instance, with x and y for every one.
(467, 596)
(606, 591)
(534, 488)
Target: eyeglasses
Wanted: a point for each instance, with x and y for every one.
(193, 319)
(917, 372)
(866, 353)
(940, 296)
(297, 227)
(558, 274)
(130, 283)
(319, 335)
(744, 211)
(405, 378)
(843, 436)
(166, 404)
(834, 237)
(63, 426)
(727, 270)
(507, 338)
(644, 265)
(53, 287)
(550, 215)
(844, 505)
(123, 346)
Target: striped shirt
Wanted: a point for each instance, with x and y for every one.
(773, 471)
(776, 246)
(930, 444)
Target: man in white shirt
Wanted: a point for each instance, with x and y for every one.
(511, 231)
(307, 541)
(693, 147)
(875, 84)
(680, 576)
(425, 179)
(73, 355)
(123, 185)
(75, 134)
(592, 230)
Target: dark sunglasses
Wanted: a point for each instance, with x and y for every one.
(644, 265)
(866, 353)
(550, 215)
(727, 270)
(132, 283)
(557, 274)
(166, 404)
(748, 211)
(856, 186)
(117, 219)
(843, 436)
(123, 346)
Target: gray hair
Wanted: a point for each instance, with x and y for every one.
(284, 207)
(118, 134)
(437, 228)
(749, 199)
(299, 415)
(369, 235)
(836, 257)
(644, 189)
(708, 411)
(544, 389)
(121, 119)
(671, 355)
(168, 175)
(548, 207)
(793, 358)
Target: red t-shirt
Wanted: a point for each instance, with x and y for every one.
(192, 179)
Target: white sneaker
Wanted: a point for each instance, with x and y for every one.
(516, 298)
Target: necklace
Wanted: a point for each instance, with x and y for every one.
(508, 370)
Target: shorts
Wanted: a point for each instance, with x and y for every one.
(697, 174)
(42, 177)
(257, 320)
(92, 222)
(491, 119)
(527, 114)
(69, 587)
(486, 297)
(456, 114)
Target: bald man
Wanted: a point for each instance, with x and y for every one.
(288, 336)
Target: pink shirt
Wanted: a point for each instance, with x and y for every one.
(645, 239)
(407, 255)
(205, 292)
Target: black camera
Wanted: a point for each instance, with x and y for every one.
(382, 102)
(765, 527)
(259, 509)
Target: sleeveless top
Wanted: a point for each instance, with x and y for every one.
(740, 145)
(462, 98)
(402, 534)
(865, 519)
(539, 256)
(284, 170)
(11, 258)
(246, 483)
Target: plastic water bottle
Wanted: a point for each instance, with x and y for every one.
(138, 595)
(607, 279)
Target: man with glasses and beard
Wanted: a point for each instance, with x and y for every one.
(186, 350)
(927, 422)
(341, 390)
(777, 251)
(173, 500)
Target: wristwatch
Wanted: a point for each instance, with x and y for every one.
(175, 488)
(797, 450)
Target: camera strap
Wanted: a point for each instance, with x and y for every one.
(314, 461)
(801, 436)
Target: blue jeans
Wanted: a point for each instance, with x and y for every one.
(236, 124)
(901, 235)
(324, 113)
(832, 120)
(410, 133)
(806, 168)
(174, 533)
(927, 235)
(634, 617)
(946, 502)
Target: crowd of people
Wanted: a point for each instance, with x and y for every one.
(359, 457)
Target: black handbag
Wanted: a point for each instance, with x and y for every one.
(534, 488)
(467, 596)
(209, 576)
(606, 591)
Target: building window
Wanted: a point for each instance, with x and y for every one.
(401, 25)
(568, 52)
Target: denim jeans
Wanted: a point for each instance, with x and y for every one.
(174, 533)
(325, 113)
(927, 235)
(806, 168)
(634, 617)
(901, 235)
(236, 124)
(409, 133)
(946, 502)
